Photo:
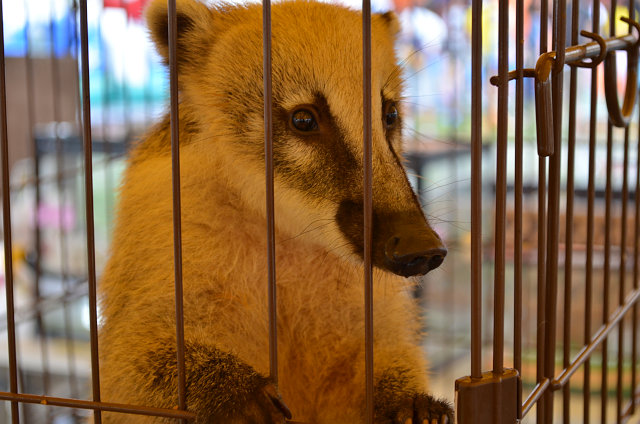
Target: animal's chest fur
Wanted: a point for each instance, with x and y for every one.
(320, 298)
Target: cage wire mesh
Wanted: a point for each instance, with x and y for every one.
(563, 250)
(129, 90)
(47, 187)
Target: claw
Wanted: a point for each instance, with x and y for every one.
(279, 403)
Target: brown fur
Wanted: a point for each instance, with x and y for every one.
(316, 61)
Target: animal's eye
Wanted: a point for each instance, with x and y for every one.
(304, 120)
(390, 115)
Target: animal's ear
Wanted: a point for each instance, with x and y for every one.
(390, 20)
(195, 30)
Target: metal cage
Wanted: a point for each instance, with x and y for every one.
(580, 268)
(588, 268)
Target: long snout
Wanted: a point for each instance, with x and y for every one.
(413, 254)
(403, 241)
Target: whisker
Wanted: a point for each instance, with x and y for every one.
(438, 60)
(436, 184)
(402, 65)
(307, 229)
(424, 137)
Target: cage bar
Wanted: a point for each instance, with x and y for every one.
(553, 211)
(541, 289)
(476, 190)
(175, 180)
(367, 169)
(568, 263)
(588, 303)
(542, 234)
(535, 396)
(634, 315)
(6, 223)
(517, 256)
(622, 272)
(607, 278)
(596, 340)
(88, 181)
(501, 188)
(268, 146)
(97, 406)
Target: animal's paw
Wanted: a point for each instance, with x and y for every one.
(425, 410)
(268, 407)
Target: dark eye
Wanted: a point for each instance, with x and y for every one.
(390, 115)
(304, 120)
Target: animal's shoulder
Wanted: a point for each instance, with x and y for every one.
(157, 141)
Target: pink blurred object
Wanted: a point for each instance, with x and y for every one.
(54, 216)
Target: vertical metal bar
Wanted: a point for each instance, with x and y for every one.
(622, 271)
(586, 389)
(268, 148)
(175, 180)
(542, 238)
(517, 283)
(607, 268)
(568, 265)
(21, 383)
(544, 26)
(501, 187)
(559, 43)
(476, 189)
(367, 164)
(541, 292)
(607, 243)
(607, 247)
(6, 225)
(623, 258)
(636, 252)
(88, 181)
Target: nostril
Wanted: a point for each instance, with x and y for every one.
(435, 261)
(434, 258)
(408, 259)
(417, 262)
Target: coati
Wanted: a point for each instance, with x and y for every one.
(317, 127)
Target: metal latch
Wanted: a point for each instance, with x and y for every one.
(493, 398)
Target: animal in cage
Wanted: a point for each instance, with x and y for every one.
(317, 129)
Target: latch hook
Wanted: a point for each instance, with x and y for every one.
(601, 56)
(617, 116)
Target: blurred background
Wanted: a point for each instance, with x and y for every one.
(129, 91)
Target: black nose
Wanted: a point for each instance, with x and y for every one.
(408, 256)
